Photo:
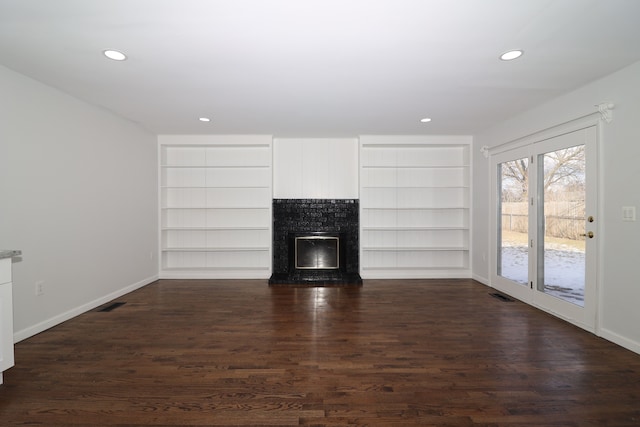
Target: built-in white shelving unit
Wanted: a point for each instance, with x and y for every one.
(414, 206)
(215, 206)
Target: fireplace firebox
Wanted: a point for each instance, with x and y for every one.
(315, 242)
(316, 252)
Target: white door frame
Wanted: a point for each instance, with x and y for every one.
(586, 318)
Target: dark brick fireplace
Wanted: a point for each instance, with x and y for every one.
(331, 226)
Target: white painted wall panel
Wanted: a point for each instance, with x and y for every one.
(343, 169)
(619, 154)
(315, 168)
(79, 198)
(287, 169)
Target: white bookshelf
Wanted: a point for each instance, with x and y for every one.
(215, 206)
(414, 207)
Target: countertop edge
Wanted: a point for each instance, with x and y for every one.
(9, 253)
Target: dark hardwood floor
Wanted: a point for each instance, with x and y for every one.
(390, 353)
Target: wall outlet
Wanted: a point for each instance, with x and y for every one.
(40, 288)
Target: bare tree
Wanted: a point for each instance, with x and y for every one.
(563, 167)
(515, 174)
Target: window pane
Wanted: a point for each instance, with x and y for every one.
(513, 248)
(561, 259)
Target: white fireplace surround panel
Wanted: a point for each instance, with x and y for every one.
(315, 168)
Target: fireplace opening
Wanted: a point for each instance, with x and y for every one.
(317, 252)
(315, 242)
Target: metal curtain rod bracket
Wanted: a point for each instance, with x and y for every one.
(606, 111)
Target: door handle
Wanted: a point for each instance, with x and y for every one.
(589, 234)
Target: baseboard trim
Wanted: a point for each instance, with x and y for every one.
(481, 279)
(620, 340)
(63, 317)
(415, 274)
(204, 274)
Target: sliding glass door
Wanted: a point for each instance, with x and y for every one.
(546, 225)
(514, 221)
(513, 249)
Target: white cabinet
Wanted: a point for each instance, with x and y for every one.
(414, 207)
(215, 206)
(6, 316)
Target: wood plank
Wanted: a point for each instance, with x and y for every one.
(393, 352)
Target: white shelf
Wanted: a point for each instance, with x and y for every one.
(213, 228)
(211, 186)
(461, 269)
(215, 206)
(414, 207)
(416, 167)
(399, 187)
(399, 228)
(213, 167)
(413, 248)
(187, 208)
(227, 249)
(205, 269)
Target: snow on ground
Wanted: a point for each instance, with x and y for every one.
(564, 269)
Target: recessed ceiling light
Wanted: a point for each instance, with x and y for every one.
(425, 120)
(115, 55)
(511, 55)
(204, 119)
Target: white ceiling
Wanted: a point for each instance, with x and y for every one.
(318, 67)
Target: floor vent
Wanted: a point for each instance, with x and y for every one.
(501, 297)
(112, 306)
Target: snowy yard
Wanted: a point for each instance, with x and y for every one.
(564, 268)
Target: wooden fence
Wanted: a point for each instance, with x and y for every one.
(566, 227)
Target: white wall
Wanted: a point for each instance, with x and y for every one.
(619, 174)
(78, 194)
(315, 168)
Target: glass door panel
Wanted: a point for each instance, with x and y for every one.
(566, 226)
(513, 222)
(561, 219)
(544, 224)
